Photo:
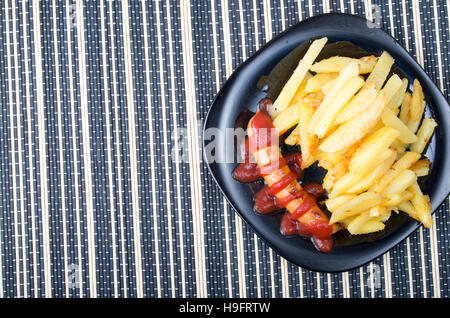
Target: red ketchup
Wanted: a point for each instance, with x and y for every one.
(265, 201)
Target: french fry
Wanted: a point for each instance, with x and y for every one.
(368, 154)
(424, 134)
(422, 167)
(392, 200)
(301, 92)
(355, 129)
(405, 162)
(391, 120)
(360, 102)
(381, 70)
(404, 110)
(347, 74)
(358, 222)
(308, 142)
(316, 82)
(377, 210)
(288, 118)
(399, 147)
(391, 87)
(337, 63)
(292, 139)
(422, 205)
(408, 208)
(365, 183)
(370, 226)
(417, 101)
(334, 203)
(353, 177)
(331, 109)
(397, 99)
(289, 89)
(356, 206)
(401, 182)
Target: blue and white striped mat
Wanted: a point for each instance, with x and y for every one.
(93, 200)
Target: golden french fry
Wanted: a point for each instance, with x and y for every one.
(422, 205)
(331, 110)
(334, 203)
(399, 147)
(365, 183)
(289, 89)
(359, 204)
(337, 63)
(391, 120)
(316, 82)
(417, 102)
(292, 139)
(353, 177)
(358, 222)
(347, 74)
(397, 99)
(408, 208)
(424, 134)
(392, 200)
(381, 70)
(405, 162)
(360, 102)
(377, 210)
(370, 226)
(422, 167)
(288, 118)
(368, 154)
(301, 92)
(404, 110)
(355, 129)
(308, 142)
(391, 87)
(401, 182)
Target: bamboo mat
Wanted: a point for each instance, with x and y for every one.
(93, 200)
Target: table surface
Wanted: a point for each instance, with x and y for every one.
(94, 200)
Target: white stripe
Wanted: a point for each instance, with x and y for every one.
(61, 149)
(30, 151)
(13, 156)
(109, 151)
(168, 208)
(284, 265)
(194, 157)
(133, 150)
(311, 13)
(361, 282)
(408, 241)
(228, 71)
(300, 270)
(42, 149)
(86, 152)
(238, 220)
(177, 159)
(23, 222)
(387, 257)
(74, 147)
(118, 153)
(152, 154)
(268, 31)
(352, 7)
(433, 234)
(420, 58)
(255, 237)
(225, 204)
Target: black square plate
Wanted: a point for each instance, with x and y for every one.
(240, 92)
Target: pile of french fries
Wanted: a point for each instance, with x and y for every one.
(363, 128)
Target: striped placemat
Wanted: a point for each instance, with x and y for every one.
(95, 202)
